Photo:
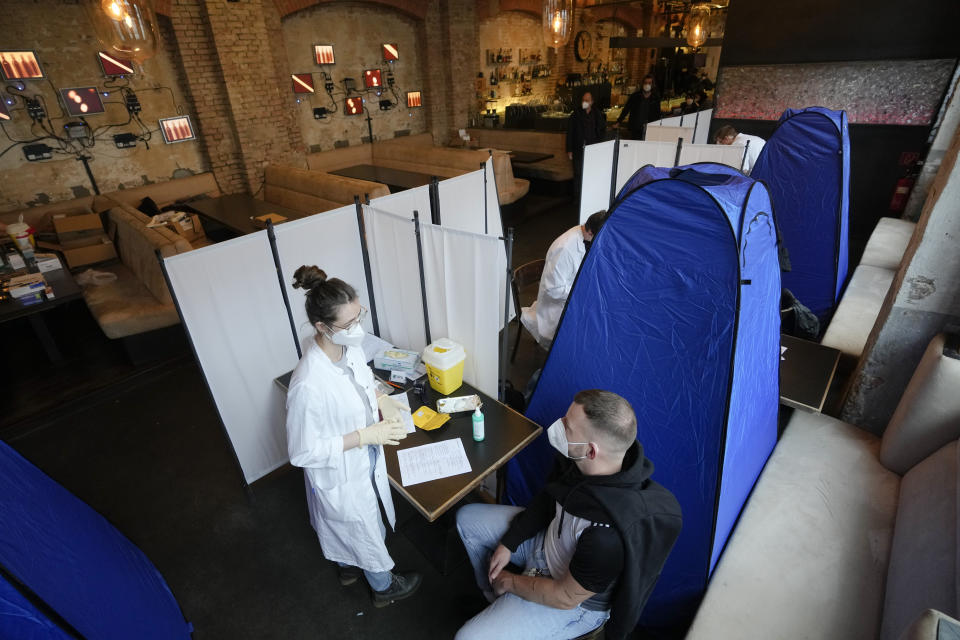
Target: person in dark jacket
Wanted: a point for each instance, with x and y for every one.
(642, 107)
(592, 543)
(587, 125)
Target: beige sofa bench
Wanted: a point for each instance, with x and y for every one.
(314, 191)
(848, 536)
(556, 169)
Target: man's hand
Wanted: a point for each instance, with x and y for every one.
(498, 560)
(503, 584)
(570, 155)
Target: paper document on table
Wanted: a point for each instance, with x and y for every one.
(405, 415)
(782, 351)
(372, 346)
(432, 462)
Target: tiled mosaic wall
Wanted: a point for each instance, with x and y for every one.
(899, 92)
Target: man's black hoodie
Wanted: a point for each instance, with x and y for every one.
(644, 513)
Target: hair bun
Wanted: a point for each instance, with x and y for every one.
(308, 277)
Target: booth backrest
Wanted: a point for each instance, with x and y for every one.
(928, 415)
(314, 191)
(137, 246)
(439, 161)
(164, 193)
(181, 244)
(669, 134)
(340, 158)
(511, 140)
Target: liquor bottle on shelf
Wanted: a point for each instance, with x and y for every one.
(493, 78)
(499, 56)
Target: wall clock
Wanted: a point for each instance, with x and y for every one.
(583, 45)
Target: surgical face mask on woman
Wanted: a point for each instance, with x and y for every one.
(558, 440)
(647, 87)
(586, 105)
(352, 337)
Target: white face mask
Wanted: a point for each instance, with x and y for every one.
(689, 101)
(558, 440)
(352, 337)
(586, 105)
(647, 87)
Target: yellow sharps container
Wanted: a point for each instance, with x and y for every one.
(444, 360)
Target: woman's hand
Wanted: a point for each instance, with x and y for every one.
(498, 560)
(386, 432)
(390, 408)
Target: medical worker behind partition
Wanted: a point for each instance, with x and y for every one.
(335, 434)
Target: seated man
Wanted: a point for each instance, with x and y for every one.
(728, 135)
(592, 543)
(562, 264)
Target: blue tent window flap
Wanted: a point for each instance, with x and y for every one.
(660, 314)
(806, 167)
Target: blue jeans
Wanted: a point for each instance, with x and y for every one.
(378, 580)
(480, 527)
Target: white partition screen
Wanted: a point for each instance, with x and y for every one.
(404, 203)
(331, 241)
(597, 172)
(464, 299)
(462, 204)
(232, 309)
(702, 124)
(730, 155)
(396, 277)
(635, 154)
(674, 121)
(669, 134)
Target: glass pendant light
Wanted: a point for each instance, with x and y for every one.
(697, 25)
(557, 22)
(125, 28)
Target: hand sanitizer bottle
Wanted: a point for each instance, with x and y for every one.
(478, 425)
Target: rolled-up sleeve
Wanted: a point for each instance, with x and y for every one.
(307, 444)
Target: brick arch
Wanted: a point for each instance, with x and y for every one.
(411, 8)
(533, 7)
(628, 17)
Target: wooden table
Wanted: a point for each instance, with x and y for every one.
(507, 433)
(806, 373)
(65, 289)
(395, 179)
(528, 157)
(235, 211)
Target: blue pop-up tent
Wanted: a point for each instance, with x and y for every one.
(676, 308)
(65, 572)
(806, 167)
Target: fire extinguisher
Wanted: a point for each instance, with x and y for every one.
(902, 193)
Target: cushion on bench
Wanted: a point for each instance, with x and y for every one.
(170, 191)
(888, 243)
(314, 191)
(808, 557)
(857, 312)
(923, 559)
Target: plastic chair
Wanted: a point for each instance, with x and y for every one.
(524, 276)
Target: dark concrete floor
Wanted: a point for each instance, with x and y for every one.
(150, 455)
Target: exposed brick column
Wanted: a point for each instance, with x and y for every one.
(233, 58)
(450, 38)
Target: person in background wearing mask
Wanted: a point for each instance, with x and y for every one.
(728, 135)
(335, 434)
(559, 271)
(592, 543)
(689, 104)
(642, 107)
(586, 126)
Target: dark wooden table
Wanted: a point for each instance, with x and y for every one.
(528, 157)
(395, 179)
(806, 373)
(235, 211)
(506, 434)
(65, 289)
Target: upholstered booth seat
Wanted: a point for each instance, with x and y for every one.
(857, 312)
(846, 535)
(888, 243)
(556, 169)
(314, 191)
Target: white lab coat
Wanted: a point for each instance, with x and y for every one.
(753, 151)
(322, 406)
(559, 271)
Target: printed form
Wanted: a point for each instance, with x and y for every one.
(432, 462)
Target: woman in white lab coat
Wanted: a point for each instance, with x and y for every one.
(334, 433)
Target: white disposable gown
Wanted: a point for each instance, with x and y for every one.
(753, 151)
(323, 406)
(559, 271)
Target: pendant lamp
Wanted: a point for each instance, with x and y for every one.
(697, 25)
(557, 22)
(125, 28)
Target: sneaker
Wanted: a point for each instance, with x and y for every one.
(349, 575)
(403, 586)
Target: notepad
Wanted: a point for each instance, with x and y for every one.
(432, 462)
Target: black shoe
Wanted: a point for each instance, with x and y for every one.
(349, 575)
(402, 587)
